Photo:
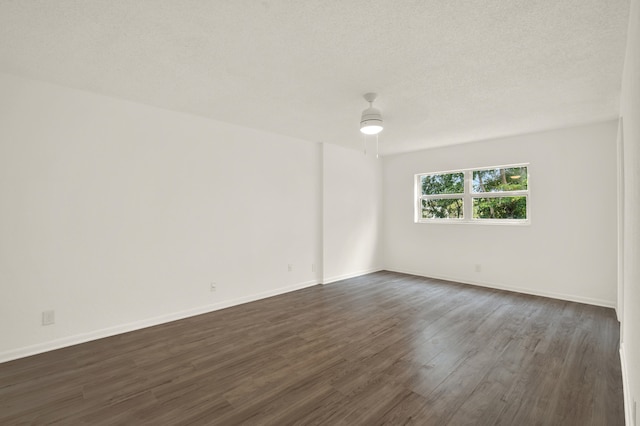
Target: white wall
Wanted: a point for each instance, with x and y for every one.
(630, 112)
(568, 251)
(119, 215)
(352, 204)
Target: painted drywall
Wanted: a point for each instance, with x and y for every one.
(630, 113)
(569, 249)
(118, 215)
(351, 210)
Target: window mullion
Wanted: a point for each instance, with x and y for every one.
(442, 196)
(467, 201)
(499, 194)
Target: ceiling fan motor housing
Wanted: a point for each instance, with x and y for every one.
(370, 117)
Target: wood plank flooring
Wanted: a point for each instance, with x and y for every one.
(385, 348)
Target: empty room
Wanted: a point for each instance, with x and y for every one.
(334, 213)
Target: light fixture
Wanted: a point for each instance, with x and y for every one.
(371, 120)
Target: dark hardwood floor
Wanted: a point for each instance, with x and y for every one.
(385, 348)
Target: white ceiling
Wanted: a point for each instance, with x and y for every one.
(446, 71)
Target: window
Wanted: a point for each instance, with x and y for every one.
(484, 195)
(442, 196)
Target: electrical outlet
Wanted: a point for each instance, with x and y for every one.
(290, 267)
(313, 267)
(48, 317)
(212, 286)
(478, 267)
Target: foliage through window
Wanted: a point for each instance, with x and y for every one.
(442, 195)
(495, 194)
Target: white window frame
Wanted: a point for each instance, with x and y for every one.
(468, 196)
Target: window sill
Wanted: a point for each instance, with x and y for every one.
(475, 222)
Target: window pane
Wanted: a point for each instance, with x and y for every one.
(500, 208)
(449, 183)
(500, 180)
(449, 208)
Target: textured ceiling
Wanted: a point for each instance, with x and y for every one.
(446, 71)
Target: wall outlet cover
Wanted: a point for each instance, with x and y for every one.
(48, 317)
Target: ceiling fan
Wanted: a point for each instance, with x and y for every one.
(371, 121)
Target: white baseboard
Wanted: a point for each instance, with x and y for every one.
(628, 403)
(335, 278)
(137, 325)
(534, 292)
(150, 322)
